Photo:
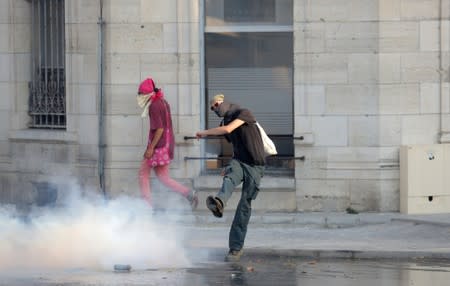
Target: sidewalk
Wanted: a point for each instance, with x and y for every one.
(331, 235)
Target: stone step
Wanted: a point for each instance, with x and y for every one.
(267, 200)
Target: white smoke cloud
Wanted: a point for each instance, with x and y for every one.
(90, 233)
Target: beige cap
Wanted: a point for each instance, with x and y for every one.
(217, 97)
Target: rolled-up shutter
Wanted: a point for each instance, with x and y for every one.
(267, 92)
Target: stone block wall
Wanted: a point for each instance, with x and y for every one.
(158, 39)
(369, 76)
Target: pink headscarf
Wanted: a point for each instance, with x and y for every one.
(148, 86)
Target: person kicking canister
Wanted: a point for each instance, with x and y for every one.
(246, 167)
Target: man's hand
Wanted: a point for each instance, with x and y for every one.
(200, 134)
(221, 130)
(149, 152)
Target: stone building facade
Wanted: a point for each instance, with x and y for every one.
(368, 76)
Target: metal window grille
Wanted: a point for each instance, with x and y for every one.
(47, 101)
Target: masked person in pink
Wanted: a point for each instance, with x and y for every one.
(161, 143)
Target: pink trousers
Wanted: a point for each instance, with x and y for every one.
(162, 173)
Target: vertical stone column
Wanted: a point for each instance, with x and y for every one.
(188, 86)
(336, 104)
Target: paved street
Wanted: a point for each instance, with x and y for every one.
(79, 245)
(366, 235)
(255, 270)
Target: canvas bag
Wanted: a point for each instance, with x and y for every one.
(269, 146)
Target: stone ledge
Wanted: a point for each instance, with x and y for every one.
(57, 136)
(267, 182)
(445, 137)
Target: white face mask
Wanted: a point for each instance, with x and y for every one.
(142, 99)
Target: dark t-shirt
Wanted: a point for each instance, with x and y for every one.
(246, 139)
(159, 119)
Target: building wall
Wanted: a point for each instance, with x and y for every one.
(35, 161)
(370, 75)
(140, 39)
(158, 39)
(367, 80)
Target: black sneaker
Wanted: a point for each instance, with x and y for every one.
(234, 255)
(193, 199)
(215, 205)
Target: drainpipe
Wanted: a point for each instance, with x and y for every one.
(443, 132)
(202, 76)
(440, 70)
(101, 137)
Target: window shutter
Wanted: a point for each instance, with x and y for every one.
(266, 92)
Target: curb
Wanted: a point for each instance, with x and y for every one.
(421, 221)
(348, 254)
(295, 219)
(333, 220)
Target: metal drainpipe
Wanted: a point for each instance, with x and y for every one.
(101, 143)
(202, 76)
(441, 94)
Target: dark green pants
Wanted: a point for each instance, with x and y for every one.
(236, 173)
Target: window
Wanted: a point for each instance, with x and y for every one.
(249, 58)
(241, 14)
(47, 101)
(249, 10)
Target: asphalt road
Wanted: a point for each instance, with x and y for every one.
(253, 270)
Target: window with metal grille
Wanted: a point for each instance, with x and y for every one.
(47, 101)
